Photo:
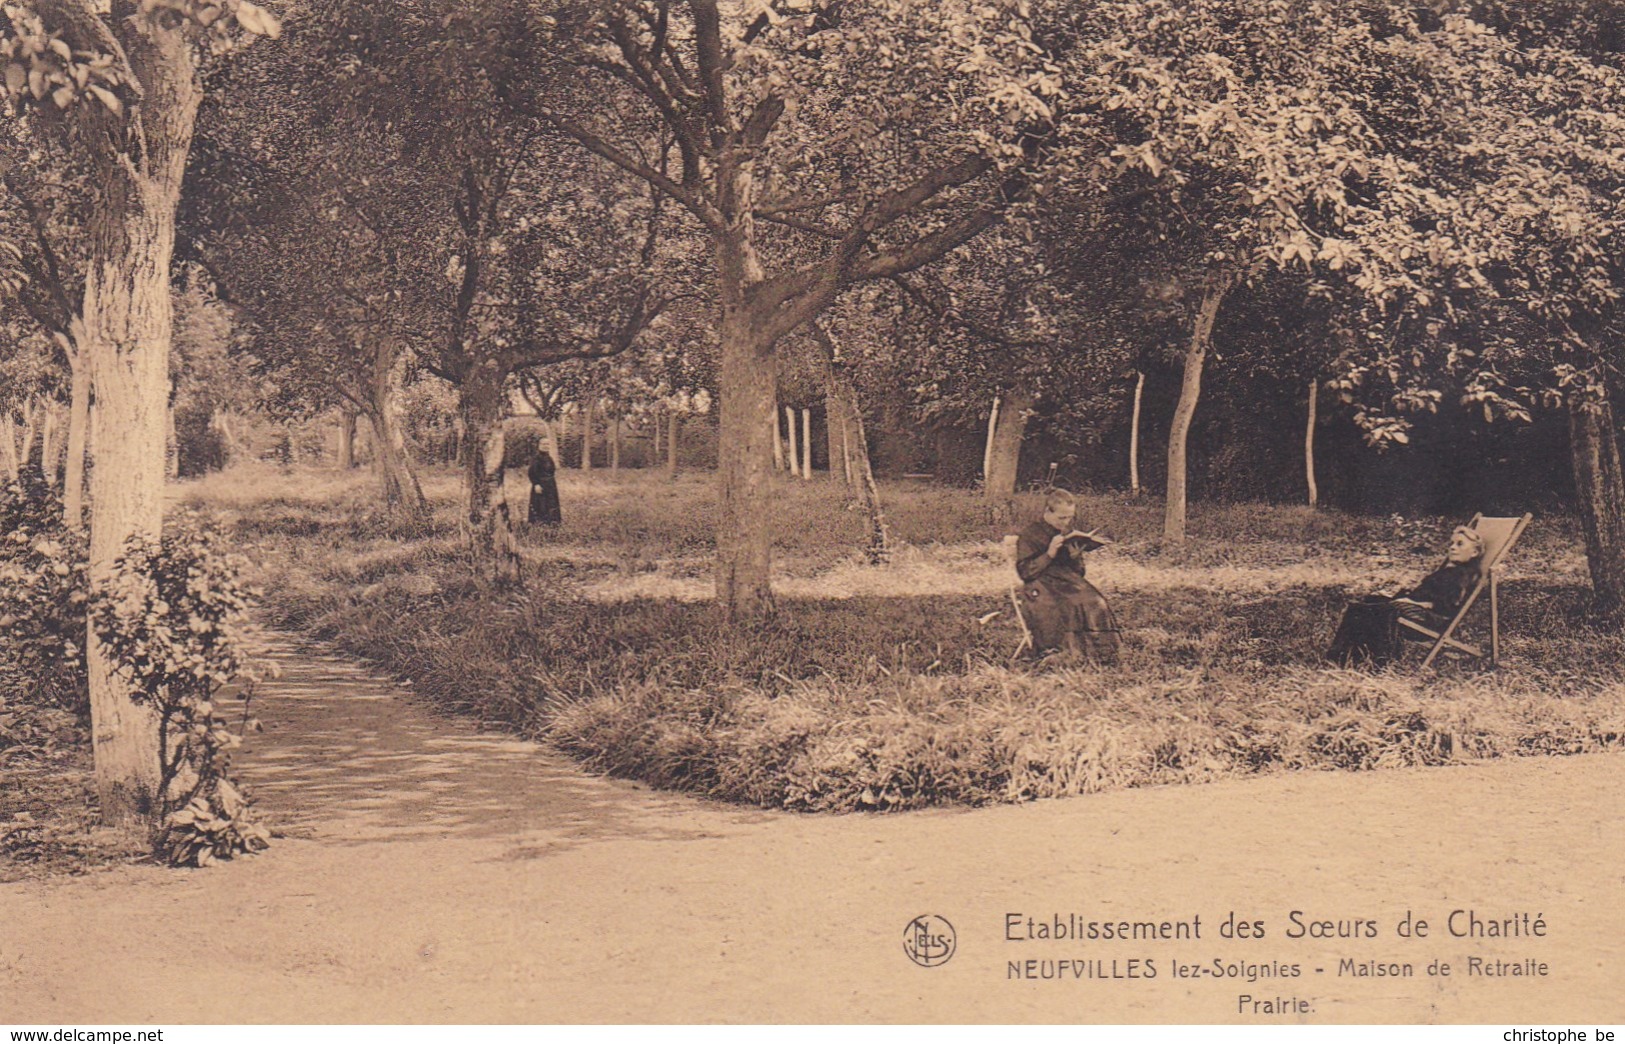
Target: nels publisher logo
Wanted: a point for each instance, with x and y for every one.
(929, 940)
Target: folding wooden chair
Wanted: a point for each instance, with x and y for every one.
(1498, 534)
(1017, 584)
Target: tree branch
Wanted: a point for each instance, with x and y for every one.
(690, 199)
(763, 119)
(708, 48)
(797, 203)
(805, 226)
(647, 81)
(924, 251)
(960, 319)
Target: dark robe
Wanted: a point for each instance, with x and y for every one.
(544, 491)
(1062, 609)
(1370, 632)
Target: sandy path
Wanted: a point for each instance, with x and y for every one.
(437, 873)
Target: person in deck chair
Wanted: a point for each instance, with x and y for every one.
(1369, 631)
(1063, 611)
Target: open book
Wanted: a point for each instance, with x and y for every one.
(1080, 541)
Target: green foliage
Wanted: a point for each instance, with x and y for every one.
(42, 597)
(172, 620)
(65, 65)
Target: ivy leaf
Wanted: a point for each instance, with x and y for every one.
(107, 98)
(258, 21)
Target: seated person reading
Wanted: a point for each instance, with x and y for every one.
(1063, 611)
(1370, 632)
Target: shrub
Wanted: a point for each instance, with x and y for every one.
(171, 619)
(42, 598)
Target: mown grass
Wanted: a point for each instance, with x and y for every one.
(905, 699)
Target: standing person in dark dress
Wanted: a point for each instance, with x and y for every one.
(1063, 611)
(544, 491)
(1370, 632)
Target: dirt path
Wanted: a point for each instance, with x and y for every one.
(435, 873)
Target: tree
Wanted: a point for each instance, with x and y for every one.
(122, 80)
(1249, 134)
(505, 250)
(1516, 133)
(818, 146)
(43, 213)
(316, 251)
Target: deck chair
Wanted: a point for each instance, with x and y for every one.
(1498, 534)
(1016, 586)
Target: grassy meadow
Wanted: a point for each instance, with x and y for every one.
(887, 688)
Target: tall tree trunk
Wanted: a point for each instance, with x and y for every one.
(849, 449)
(840, 453)
(1600, 489)
(1190, 390)
(778, 441)
(987, 449)
(128, 324)
(1309, 445)
(73, 482)
(586, 438)
(48, 446)
(744, 457)
(748, 383)
(8, 445)
(31, 426)
(551, 435)
(1005, 460)
(482, 406)
(795, 450)
(806, 443)
(615, 446)
(1134, 435)
(228, 435)
(674, 431)
(832, 442)
(346, 458)
(403, 494)
(845, 397)
(172, 445)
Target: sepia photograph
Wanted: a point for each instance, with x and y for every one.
(804, 512)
